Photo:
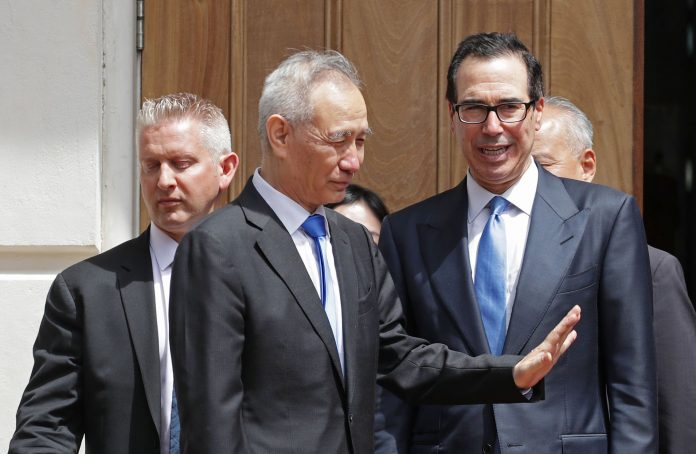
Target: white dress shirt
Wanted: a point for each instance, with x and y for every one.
(516, 220)
(292, 215)
(162, 250)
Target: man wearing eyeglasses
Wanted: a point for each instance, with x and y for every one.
(488, 266)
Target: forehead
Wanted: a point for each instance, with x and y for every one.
(550, 140)
(360, 213)
(170, 135)
(338, 104)
(492, 79)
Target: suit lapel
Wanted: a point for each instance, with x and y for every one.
(556, 227)
(444, 240)
(276, 244)
(348, 285)
(137, 295)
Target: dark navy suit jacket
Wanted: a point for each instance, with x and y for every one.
(585, 246)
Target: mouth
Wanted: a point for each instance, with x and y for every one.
(494, 150)
(168, 202)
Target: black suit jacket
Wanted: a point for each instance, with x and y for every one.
(96, 362)
(585, 246)
(675, 343)
(256, 367)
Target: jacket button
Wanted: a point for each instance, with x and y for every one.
(350, 418)
(488, 448)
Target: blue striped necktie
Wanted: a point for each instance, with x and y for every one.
(174, 427)
(490, 276)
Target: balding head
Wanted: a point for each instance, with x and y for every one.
(563, 144)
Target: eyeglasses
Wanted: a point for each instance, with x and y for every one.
(507, 112)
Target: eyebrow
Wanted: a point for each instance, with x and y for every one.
(337, 135)
(500, 101)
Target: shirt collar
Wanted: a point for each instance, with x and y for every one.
(290, 213)
(521, 194)
(163, 246)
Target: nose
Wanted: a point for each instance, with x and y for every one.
(166, 178)
(492, 125)
(351, 160)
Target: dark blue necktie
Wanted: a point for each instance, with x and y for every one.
(174, 427)
(315, 227)
(490, 276)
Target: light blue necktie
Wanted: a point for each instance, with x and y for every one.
(490, 276)
(174, 427)
(315, 227)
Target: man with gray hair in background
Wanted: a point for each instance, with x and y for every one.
(283, 312)
(563, 146)
(102, 366)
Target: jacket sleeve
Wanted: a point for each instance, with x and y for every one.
(207, 340)
(396, 413)
(49, 417)
(421, 372)
(626, 340)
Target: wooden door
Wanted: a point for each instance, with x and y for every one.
(591, 52)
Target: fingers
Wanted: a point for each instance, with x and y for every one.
(559, 334)
(532, 368)
(566, 325)
(567, 343)
(541, 359)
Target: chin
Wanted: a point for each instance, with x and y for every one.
(335, 197)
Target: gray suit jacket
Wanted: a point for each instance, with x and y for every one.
(585, 246)
(675, 343)
(256, 367)
(96, 362)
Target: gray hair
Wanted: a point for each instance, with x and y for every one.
(287, 89)
(214, 132)
(577, 128)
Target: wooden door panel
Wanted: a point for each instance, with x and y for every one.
(592, 65)
(189, 50)
(395, 50)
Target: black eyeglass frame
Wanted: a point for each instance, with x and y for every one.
(494, 108)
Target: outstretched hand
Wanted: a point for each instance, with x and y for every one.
(539, 362)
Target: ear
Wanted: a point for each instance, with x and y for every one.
(228, 167)
(277, 130)
(538, 109)
(588, 162)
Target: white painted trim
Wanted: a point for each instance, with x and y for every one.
(120, 104)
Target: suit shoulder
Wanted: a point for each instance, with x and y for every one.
(437, 205)
(108, 261)
(660, 259)
(593, 194)
(221, 218)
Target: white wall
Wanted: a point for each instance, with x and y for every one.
(67, 191)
